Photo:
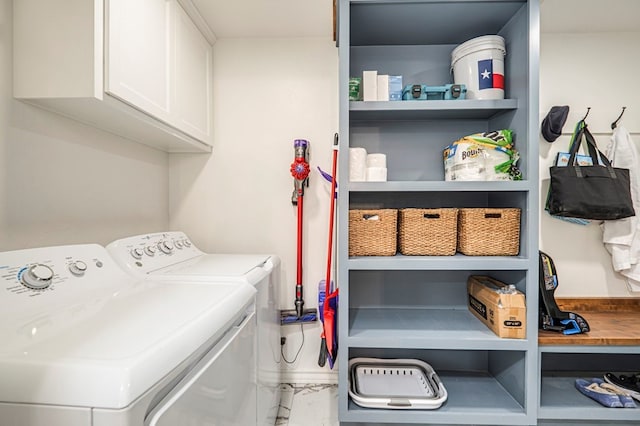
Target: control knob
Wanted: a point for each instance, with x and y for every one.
(165, 246)
(178, 244)
(150, 250)
(186, 243)
(137, 253)
(37, 277)
(78, 267)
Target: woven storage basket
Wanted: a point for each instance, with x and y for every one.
(428, 232)
(373, 232)
(489, 232)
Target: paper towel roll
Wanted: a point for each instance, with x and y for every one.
(376, 174)
(377, 160)
(357, 164)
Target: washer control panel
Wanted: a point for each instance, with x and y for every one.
(55, 272)
(142, 254)
(37, 276)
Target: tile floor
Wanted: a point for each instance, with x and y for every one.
(301, 403)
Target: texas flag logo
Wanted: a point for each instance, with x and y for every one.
(490, 74)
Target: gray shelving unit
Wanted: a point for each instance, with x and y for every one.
(415, 306)
(560, 365)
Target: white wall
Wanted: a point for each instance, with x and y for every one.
(267, 92)
(62, 182)
(597, 70)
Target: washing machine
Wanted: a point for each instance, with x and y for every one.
(86, 344)
(172, 256)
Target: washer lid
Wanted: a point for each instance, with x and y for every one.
(108, 350)
(235, 267)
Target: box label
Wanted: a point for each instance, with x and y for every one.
(478, 306)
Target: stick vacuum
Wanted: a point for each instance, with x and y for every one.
(300, 171)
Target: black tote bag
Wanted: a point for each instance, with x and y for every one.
(598, 192)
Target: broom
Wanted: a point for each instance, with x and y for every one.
(327, 317)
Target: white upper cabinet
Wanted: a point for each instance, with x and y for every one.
(193, 76)
(141, 69)
(140, 53)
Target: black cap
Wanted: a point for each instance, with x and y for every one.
(554, 121)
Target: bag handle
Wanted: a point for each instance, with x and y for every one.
(592, 142)
(597, 157)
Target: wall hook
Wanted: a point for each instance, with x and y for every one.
(585, 116)
(615, 123)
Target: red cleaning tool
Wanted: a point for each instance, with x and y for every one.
(300, 172)
(329, 345)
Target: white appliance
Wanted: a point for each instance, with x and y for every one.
(171, 256)
(85, 344)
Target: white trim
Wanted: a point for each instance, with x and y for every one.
(305, 377)
(198, 20)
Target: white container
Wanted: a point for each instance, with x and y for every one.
(396, 384)
(376, 160)
(479, 64)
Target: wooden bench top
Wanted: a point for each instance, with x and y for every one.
(613, 321)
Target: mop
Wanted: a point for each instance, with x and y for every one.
(328, 343)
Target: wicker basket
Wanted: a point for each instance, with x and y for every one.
(489, 232)
(428, 232)
(373, 232)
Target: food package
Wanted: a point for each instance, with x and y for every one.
(482, 156)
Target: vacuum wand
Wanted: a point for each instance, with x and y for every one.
(300, 172)
(299, 303)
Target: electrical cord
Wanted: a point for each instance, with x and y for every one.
(297, 353)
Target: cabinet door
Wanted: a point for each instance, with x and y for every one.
(138, 54)
(193, 78)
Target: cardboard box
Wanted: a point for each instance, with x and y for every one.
(499, 307)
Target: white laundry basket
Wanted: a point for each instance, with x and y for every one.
(479, 64)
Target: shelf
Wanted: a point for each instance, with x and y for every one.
(473, 398)
(429, 110)
(613, 322)
(439, 22)
(441, 186)
(424, 328)
(560, 400)
(456, 262)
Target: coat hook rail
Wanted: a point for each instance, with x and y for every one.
(615, 123)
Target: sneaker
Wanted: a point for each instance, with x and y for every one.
(625, 398)
(629, 384)
(598, 394)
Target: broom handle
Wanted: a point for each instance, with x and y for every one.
(334, 176)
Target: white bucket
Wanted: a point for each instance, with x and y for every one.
(479, 64)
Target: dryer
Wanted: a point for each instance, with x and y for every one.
(172, 256)
(85, 344)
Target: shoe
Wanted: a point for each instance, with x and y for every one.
(629, 384)
(598, 394)
(625, 398)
